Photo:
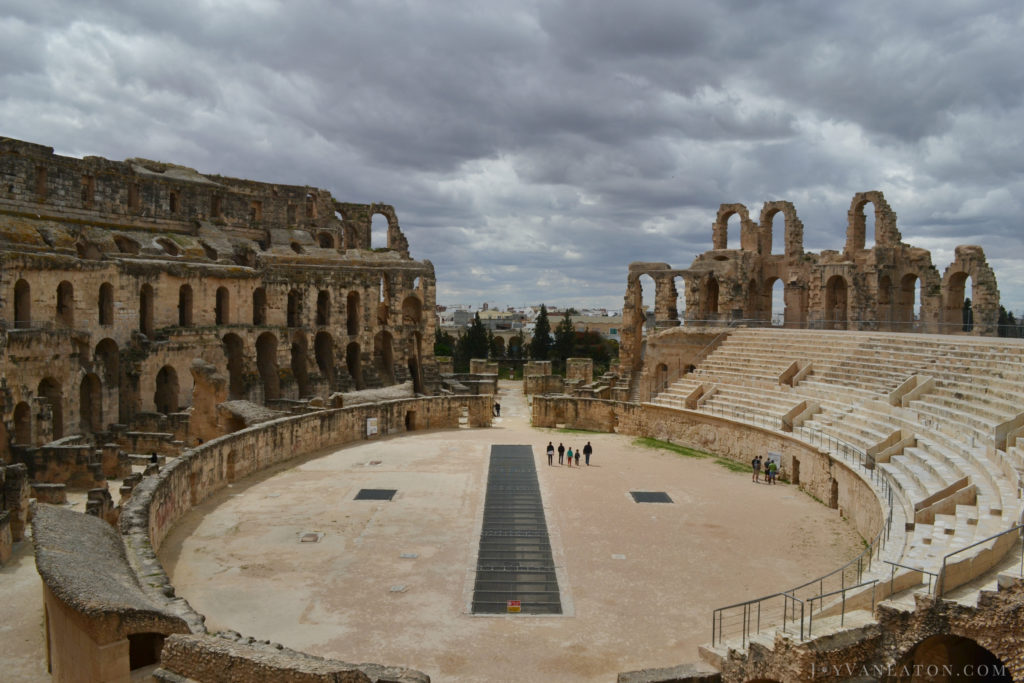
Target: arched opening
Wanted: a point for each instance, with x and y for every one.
(22, 304)
(410, 420)
(885, 298)
(908, 303)
(948, 657)
(323, 307)
(90, 405)
(146, 310)
(126, 245)
(734, 231)
(222, 307)
(835, 303)
(106, 304)
(266, 362)
(259, 306)
(352, 314)
(777, 312)
(383, 357)
(648, 289)
(378, 231)
(325, 240)
(660, 378)
(185, 306)
(412, 311)
(323, 349)
(107, 363)
(778, 233)
(168, 246)
(752, 306)
(959, 299)
(862, 233)
(235, 354)
(49, 389)
(709, 298)
(66, 304)
(294, 308)
(23, 423)
(352, 363)
(680, 284)
(144, 649)
(870, 234)
(165, 398)
(300, 365)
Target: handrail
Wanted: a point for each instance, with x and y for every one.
(940, 586)
(842, 611)
(892, 575)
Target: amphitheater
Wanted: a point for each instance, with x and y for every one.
(307, 348)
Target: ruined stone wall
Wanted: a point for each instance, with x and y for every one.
(734, 440)
(115, 276)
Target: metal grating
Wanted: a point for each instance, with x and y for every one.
(376, 494)
(514, 563)
(650, 497)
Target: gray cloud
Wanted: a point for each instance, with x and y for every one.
(534, 149)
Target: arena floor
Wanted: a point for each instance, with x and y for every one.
(391, 582)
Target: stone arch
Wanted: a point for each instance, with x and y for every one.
(383, 356)
(266, 363)
(325, 240)
(886, 232)
(146, 298)
(107, 362)
(793, 235)
(378, 230)
(259, 306)
(660, 378)
(234, 353)
(165, 397)
(352, 362)
(774, 299)
(185, 301)
(970, 262)
(955, 658)
(709, 292)
(908, 293)
(323, 307)
(647, 296)
(222, 307)
(105, 304)
(679, 284)
(323, 349)
(836, 303)
(412, 311)
(300, 364)
(352, 314)
(294, 308)
(49, 390)
(90, 404)
(22, 304)
(66, 304)
(23, 423)
(720, 228)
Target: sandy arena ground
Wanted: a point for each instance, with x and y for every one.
(638, 581)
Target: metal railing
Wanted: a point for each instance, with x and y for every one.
(978, 327)
(941, 581)
(842, 609)
(892, 574)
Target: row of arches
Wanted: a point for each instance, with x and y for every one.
(64, 310)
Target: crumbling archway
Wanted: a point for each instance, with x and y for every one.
(300, 364)
(222, 306)
(266, 362)
(165, 398)
(908, 303)
(323, 349)
(107, 362)
(49, 389)
(835, 303)
(953, 658)
(259, 306)
(105, 304)
(22, 304)
(23, 423)
(185, 306)
(90, 404)
(352, 362)
(146, 298)
(66, 304)
(709, 298)
(234, 353)
(323, 307)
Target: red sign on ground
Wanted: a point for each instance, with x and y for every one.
(514, 606)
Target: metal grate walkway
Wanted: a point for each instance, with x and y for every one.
(515, 557)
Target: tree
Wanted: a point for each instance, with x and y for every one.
(444, 343)
(565, 339)
(476, 339)
(540, 345)
(968, 315)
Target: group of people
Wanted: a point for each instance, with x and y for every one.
(586, 451)
(770, 467)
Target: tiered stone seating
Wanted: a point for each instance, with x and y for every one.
(955, 486)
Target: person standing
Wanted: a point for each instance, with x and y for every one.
(570, 456)
(551, 453)
(561, 453)
(756, 464)
(773, 469)
(587, 450)
(577, 457)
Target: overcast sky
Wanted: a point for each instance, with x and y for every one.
(533, 149)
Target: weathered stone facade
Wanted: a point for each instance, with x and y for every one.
(116, 276)
(860, 287)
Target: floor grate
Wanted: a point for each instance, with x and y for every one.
(514, 565)
(650, 497)
(376, 494)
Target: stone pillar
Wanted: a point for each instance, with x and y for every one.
(666, 301)
(16, 497)
(6, 540)
(579, 369)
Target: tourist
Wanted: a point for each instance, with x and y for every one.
(551, 453)
(497, 409)
(756, 464)
(587, 450)
(153, 460)
(570, 456)
(561, 453)
(773, 470)
(577, 457)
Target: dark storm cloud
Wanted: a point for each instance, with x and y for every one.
(533, 149)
